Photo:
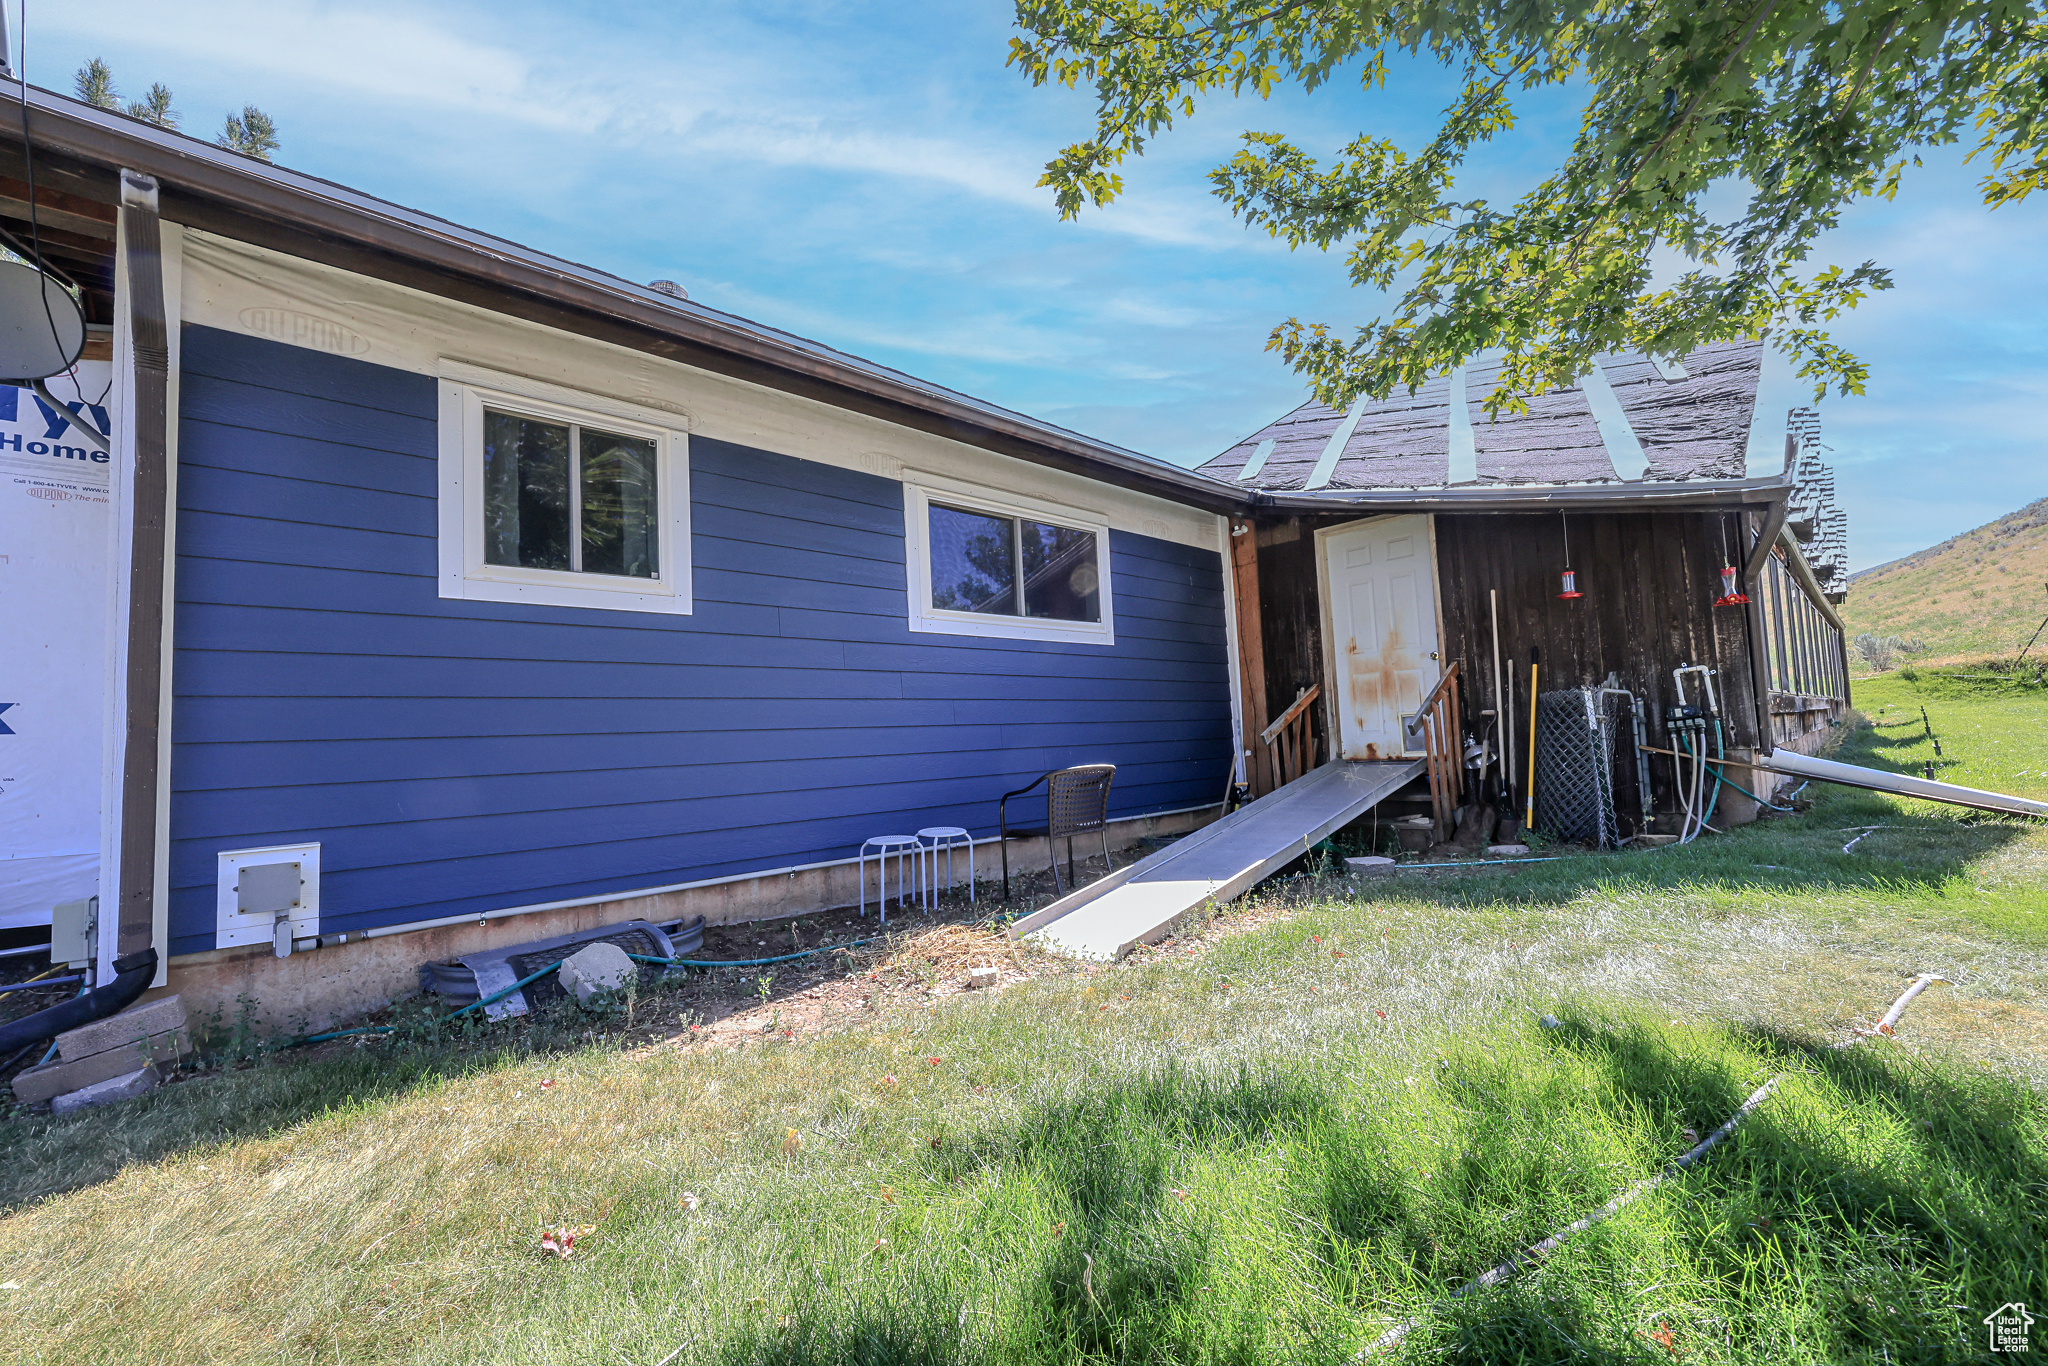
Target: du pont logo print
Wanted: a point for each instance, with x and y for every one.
(304, 329)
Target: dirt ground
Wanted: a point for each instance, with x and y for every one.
(915, 954)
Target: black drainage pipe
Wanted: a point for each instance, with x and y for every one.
(132, 976)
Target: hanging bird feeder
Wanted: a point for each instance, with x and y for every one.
(1731, 591)
(1568, 581)
(1731, 585)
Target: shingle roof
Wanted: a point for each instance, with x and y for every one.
(1629, 421)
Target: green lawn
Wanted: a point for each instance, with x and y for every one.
(1269, 1140)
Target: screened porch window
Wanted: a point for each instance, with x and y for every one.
(567, 497)
(993, 565)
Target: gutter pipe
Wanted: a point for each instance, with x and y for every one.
(132, 976)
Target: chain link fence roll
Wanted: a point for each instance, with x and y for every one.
(1575, 730)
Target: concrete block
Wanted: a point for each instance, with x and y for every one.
(1506, 850)
(53, 1079)
(136, 1022)
(979, 978)
(596, 968)
(1372, 865)
(124, 1087)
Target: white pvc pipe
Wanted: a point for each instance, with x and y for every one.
(1900, 784)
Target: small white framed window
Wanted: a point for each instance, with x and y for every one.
(1004, 565)
(561, 499)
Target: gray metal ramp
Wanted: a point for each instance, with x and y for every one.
(1142, 901)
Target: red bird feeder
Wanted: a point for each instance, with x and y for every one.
(1731, 593)
(1568, 581)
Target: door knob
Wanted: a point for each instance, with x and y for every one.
(1432, 654)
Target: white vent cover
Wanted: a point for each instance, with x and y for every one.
(257, 886)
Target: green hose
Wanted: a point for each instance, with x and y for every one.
(744, 962)
(492, 999)
(1760, 801)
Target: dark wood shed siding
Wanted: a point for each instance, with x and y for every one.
(1649, 580)
(1290, 608)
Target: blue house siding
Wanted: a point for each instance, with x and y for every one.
(455, 757)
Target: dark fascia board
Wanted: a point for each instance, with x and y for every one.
(218, 191)
(1701, 494)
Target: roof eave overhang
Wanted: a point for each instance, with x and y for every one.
(1643, 497)
(220, 192)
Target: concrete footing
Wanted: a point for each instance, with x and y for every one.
(316, 988)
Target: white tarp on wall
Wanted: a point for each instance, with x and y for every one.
(53, 605)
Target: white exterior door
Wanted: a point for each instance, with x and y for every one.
(1380, 584)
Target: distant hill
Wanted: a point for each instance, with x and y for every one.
(1977, 594)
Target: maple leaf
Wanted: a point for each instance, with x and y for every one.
(792, 1143)
(1665, 1338)
(691, 1200)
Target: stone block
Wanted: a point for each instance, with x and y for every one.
(979, 978)
(124, 1087)
(1372, 865)
(596, 968)
(38, 1084)
(1506, 850)
(136, 1022)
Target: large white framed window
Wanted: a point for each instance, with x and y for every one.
(561, 499)
(1004, 565)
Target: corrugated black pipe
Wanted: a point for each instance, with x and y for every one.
(132, 976)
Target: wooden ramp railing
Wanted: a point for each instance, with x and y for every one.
(1287, 748)
(1443, 730)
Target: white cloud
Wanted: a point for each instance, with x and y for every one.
(387, 55)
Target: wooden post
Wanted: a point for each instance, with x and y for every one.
(1251, 650)
(134, 909)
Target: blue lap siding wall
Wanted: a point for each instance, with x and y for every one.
(454, 757)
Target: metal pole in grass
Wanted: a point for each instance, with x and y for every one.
(1393, 1336)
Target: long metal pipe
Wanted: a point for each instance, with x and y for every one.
(1899, 784)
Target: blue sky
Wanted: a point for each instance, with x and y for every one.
(863, 174)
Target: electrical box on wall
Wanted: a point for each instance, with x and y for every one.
(268, 896)
(74, 932)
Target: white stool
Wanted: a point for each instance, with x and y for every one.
(880, 847)
(948, 838)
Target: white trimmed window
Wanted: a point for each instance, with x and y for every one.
(561, 499)
(1006, 566)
